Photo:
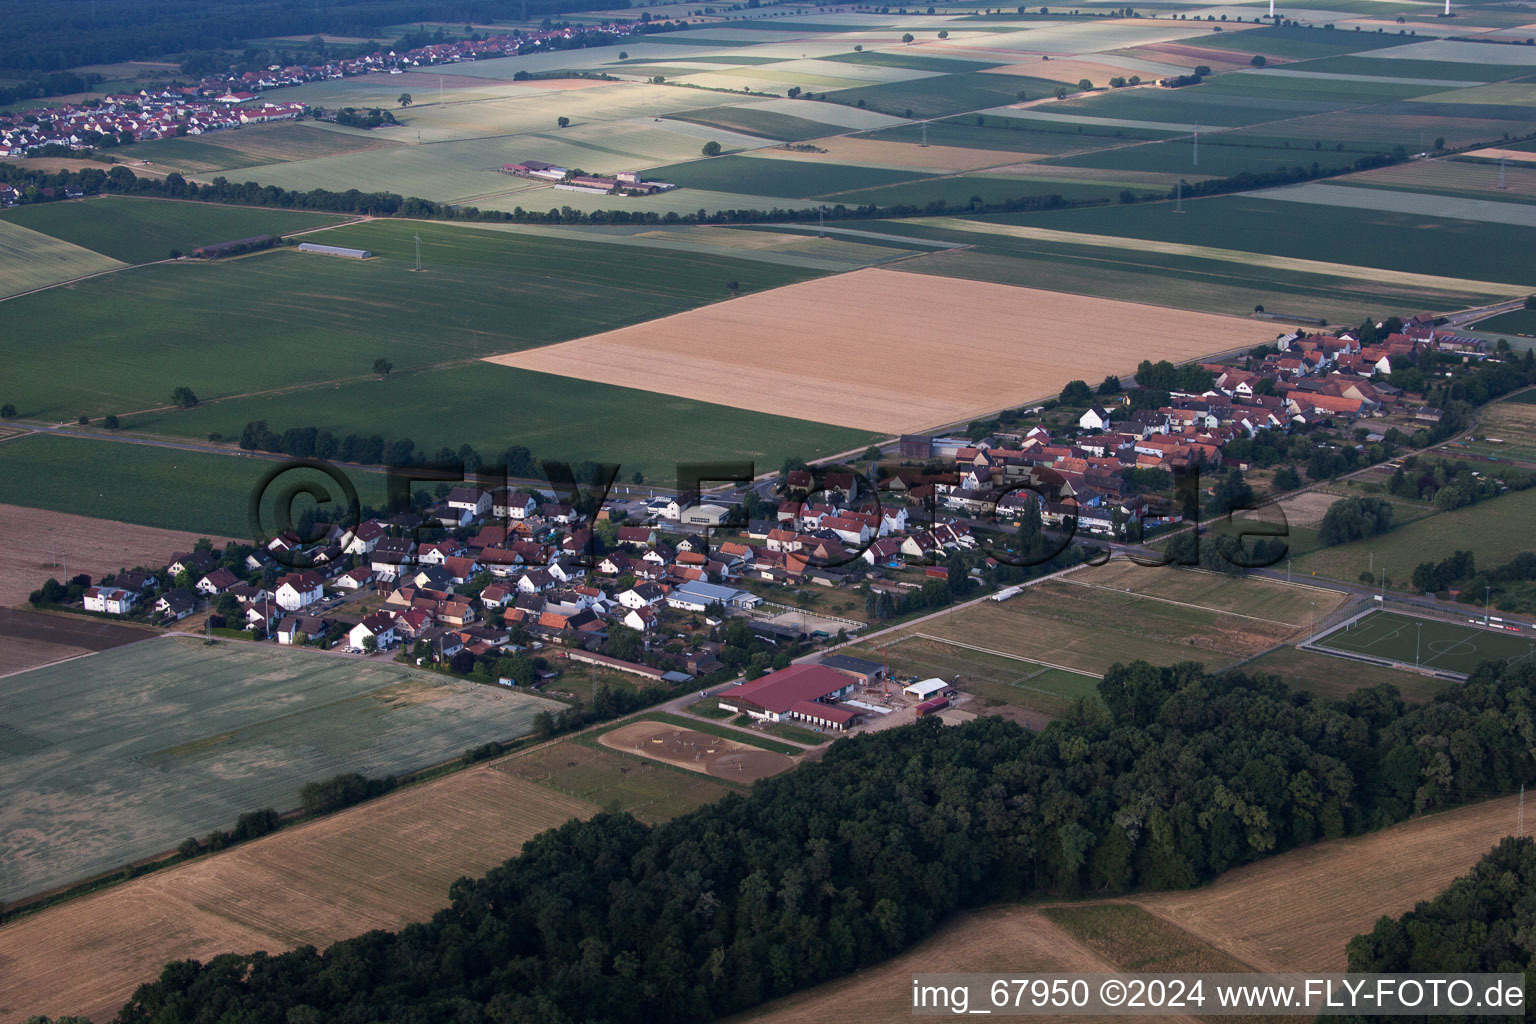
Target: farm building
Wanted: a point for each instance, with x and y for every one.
(800, 691)
(926, 689)
(234, 248)
(860, 670)
(928, 707)
(335, 250)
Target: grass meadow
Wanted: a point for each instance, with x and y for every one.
(141, 230)
(1484, 528)
(286, 319)
(153, 486)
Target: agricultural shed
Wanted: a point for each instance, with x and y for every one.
(335, 250)
(925, 689)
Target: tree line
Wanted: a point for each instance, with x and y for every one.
(1175, 776)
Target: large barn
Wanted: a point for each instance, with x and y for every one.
(803, 692)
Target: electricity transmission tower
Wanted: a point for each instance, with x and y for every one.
(418, 250)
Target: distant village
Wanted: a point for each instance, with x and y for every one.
(221, 103)
(647, 587)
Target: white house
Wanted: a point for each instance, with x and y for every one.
(641, 619)
(217, 582)
(379, 626)
(299, 590)
(511, 504)
(1096, 418)
(645, 595)
(110, 600)
(474, 500)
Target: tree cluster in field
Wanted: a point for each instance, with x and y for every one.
(1354, 518)
(844, 862)
(1224, 553)
(1482, 923)
(367, 118)
(1454, 484)
(37, 86)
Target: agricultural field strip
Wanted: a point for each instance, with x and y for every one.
(1041, 114)
(1395, 201)
(852, 256)
(1428, 282)
(1182, 604)
(31, 260)
(1339, 76)
(997, 654)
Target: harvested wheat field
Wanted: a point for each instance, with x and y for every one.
(80, 543)
(1296, 912)
(998, 939)
(1065, 70)
(887, 351)
(1512, 155)
(906, 156)
(696, 751)
(380, 865)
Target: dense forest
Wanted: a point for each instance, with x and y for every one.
(1177, 776)
(44, 35)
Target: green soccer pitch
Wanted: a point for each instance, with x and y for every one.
(1431, 643)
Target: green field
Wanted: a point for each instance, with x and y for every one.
(285, 319)
(1325, 676)
(1483, 528)
(1226, 285)
(914, 62)
(1431, 643)
(1370, 238)
(1519, 321)
(128, 752)
(1012, 135)
(1405, 67)
(141, 230)
(30, 259)
(951, 94)
(791, 179)
(153, 486)
(770, 124)
(251, 145)
(996, 679)
(957, 192)
(490, 407)
(1299, 43)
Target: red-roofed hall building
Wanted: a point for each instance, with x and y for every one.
(800, 691)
